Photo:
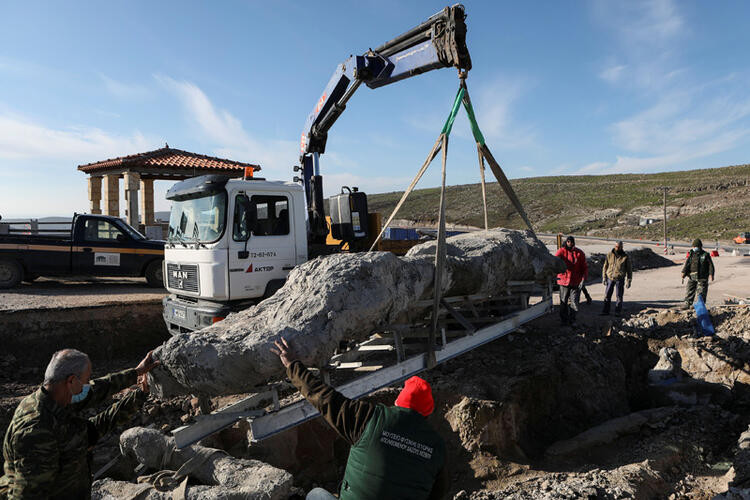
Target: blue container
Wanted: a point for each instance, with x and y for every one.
(400, 233)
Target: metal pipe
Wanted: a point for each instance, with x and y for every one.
(316, 163)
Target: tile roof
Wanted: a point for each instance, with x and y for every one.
(167, 157)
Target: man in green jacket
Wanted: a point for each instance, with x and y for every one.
(47, 442)
(698, 268)
(395, 453)
(617, 268)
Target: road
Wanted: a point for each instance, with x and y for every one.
(59, 293)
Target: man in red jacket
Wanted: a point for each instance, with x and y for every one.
(571, 279)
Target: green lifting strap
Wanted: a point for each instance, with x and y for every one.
(454, 111)
(473, 121)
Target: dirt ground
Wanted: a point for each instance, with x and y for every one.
(508, 409)
(57, 293)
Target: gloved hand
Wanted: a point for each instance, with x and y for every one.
(627, 284)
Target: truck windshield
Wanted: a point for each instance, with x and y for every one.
(198, 220)
(136, 235)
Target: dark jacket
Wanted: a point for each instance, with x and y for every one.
(617, 266)
(704, 264)
(577, 268)
(358, 422)
(46, 445)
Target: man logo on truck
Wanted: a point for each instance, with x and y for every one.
(180, 275)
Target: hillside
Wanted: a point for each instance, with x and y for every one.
(708, 203)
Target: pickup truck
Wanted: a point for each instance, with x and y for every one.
(89, 245)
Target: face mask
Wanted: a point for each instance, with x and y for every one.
(77, 398)
(695, 249)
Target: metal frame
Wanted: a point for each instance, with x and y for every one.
(265, 424)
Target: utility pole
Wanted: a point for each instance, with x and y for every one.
(665, 189)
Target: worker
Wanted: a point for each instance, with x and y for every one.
(394, 452)
(698, 268)
(47, 442)
(575, 273)
(616, 273)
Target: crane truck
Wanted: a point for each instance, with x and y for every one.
(232, 242)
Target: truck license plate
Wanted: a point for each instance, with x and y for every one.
(178, 313)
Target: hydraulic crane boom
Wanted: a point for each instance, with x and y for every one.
(439, 42)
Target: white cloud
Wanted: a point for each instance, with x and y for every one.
(494, 103)
(612, 74)
(647, 33)
(21, 138)
(593, 168)
(228, 135)
(687, 116)
(123, 90)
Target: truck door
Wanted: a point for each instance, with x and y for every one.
(99, 249)
(262, 248)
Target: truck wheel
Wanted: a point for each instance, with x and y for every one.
(11, 273)
(155, 274)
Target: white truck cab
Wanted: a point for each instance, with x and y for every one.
(231, 243)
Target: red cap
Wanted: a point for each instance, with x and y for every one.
(416, 395)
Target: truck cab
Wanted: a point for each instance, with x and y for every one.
(87, 245)
(230, 243)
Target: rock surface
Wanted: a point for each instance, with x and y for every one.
(338, 297)
(221, 476)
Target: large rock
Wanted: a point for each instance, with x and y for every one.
(218, 475)
(338, 297)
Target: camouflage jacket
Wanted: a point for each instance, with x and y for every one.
(46, 445)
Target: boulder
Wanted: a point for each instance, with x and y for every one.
(341, 297)
(218, 474)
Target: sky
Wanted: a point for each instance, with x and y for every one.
(559, 88)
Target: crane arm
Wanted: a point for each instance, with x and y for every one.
(438, 42)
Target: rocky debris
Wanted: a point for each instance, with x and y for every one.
(668, 369)
(632, 481)
(219, 475)
(608, 431)
(723, 359)
(640, 258)
(338, 297)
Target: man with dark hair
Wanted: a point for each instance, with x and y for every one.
(46, 445)
(617, 268)
(698, 268)
(569, 281)
(394, 452)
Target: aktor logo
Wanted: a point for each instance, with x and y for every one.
(259, 269)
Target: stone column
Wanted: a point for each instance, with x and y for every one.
(147, 202)
(112, 194)
(132, 183)
(95, 194)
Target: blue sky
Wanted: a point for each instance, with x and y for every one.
(559, 88)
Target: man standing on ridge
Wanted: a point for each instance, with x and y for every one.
(394, 452)
(698, 268)
(576, 272)
(617, 268)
